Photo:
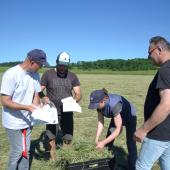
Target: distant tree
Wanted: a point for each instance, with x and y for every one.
(117, 64)
(10, 64)
(110, 64)
(13, 63)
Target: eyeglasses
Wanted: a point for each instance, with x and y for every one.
(151, 51)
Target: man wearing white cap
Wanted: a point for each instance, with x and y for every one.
(60, 83)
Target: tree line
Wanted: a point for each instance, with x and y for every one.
(109, 64)
(10, 64)
(116, 64)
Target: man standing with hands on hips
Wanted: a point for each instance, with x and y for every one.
(19, 92)
(155, 132)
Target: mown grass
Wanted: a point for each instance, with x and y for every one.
(133, 87)
(107, 71)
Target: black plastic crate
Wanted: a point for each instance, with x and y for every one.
(100, 164)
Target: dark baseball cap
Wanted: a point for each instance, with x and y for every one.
(38, 56)
(95, 97)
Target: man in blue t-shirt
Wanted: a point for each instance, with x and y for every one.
(155, 132)
(122, 113)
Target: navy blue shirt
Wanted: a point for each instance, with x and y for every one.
(126, 111)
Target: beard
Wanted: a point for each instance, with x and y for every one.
(62, 74)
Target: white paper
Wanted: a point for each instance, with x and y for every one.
(45, 115)
(68, 99)
(70, 105)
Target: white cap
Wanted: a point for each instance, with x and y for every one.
(63, 59)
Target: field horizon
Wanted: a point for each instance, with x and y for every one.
(97, 71)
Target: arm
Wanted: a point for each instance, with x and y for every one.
(44, 83)
(118, 126)
(161, 112)
(77, 93)
(36, 99)
(44, 98)
(42, 87)
(99, 127)
(7, 102)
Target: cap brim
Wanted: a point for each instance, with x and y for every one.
(93, 105)
(63, 63)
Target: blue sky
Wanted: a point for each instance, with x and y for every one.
(87, 29)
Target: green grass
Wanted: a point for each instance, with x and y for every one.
(107, 71)
(133, 87)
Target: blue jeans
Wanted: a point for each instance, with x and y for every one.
(152, 150)
(16, 161)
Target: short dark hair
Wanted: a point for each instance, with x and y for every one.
(160, 42)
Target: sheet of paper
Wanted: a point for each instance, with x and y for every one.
(68, 99)
(45, 115)
(70, 105)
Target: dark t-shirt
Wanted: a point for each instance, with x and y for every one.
(160, 81)
(58, 88)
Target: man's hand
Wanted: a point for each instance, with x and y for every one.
(31, 108)
(45, 100)
(140, 134)
(100, 145)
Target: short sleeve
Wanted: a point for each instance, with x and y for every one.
(44, 79)
(8, 84)
(75, 81)
(117, 109)
(163, 78)
(37, 84)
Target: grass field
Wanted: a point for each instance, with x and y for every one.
(133, 87)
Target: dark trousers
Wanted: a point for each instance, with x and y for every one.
(131, 144)
(66, 124)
